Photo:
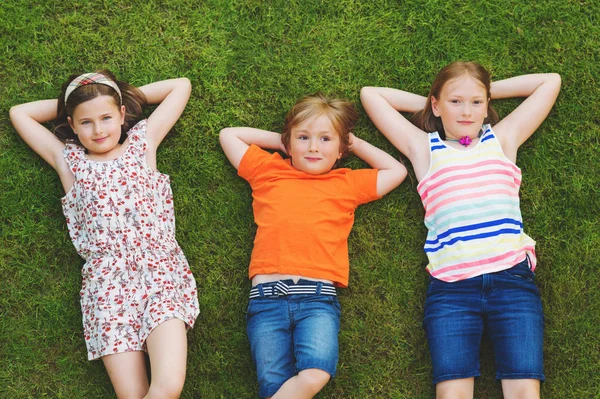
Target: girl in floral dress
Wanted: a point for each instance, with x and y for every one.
(138, 293)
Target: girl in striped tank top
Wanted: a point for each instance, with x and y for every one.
(481, 262)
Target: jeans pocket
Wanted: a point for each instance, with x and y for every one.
(250, 310)
(520, 271)
(336, 304)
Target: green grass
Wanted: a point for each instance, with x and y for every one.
(249, 61)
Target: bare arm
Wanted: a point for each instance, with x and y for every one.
(391, 172)
(236, 140)
(383, 104)
(172, 96)
(540, 91)
(27, 120)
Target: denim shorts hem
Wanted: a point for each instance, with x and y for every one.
(323, 366)
(267, 392)
(449, 377)
(520, 376)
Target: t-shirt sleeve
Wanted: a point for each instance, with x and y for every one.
(364, 183)
(254, 161)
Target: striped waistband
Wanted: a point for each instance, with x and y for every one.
(279, 288)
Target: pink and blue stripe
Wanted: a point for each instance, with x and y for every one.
(472, 212)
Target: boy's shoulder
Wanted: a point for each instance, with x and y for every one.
(257, 161)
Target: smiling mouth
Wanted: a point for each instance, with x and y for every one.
(100, 140)
(312, 159)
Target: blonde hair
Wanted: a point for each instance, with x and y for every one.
(341, 113)
(427, 121)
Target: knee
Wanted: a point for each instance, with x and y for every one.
(521, 389)
(132, 394)
(314, 379)
(455, 389)
(166, 388)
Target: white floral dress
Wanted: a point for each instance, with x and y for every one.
(121, 220)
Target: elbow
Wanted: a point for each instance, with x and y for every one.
(366, 92)
(184, 81)
(227, 134)
(13, 113)
(557, 79)
(401, 172)
(393, 178)
(185, 84)
(224, 134)
(553, 82)
(551, 79)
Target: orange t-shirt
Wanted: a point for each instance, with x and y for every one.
(303, 220)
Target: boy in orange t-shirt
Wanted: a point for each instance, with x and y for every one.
(304, 210)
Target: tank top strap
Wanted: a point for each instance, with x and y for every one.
(487, 133)
(73, 155)
(435, 142)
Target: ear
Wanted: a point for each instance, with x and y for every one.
(434, 106)
(71, 124)
(122, 114)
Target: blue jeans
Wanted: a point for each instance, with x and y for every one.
(505, 305)
(292, 333)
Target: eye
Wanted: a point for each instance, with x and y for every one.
(107, 117)
(478, 102)
(85, 122)
(455, 101)
(303, 137)
(326, 138)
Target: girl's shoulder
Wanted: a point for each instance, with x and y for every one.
(138, 131)
(73, 154)
(137, 136)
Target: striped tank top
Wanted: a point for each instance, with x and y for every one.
(472, 212)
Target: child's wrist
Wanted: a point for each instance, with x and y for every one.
(353, 143)
(356, 144)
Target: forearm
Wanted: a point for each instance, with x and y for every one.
(262, 138)
(39, 111)
(236, 140)
(28, 119)
(390, 172)
(373, 156)
(522, 86)
(400, 100)
(156, 92)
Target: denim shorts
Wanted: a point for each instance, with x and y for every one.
(291, 333)
(505, 306)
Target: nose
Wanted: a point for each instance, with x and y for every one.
(313, 145)
(466, 109)
(98, 129)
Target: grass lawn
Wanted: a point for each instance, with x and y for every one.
(248, 62)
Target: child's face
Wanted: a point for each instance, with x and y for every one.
(314, 145)
(462, 106)
(97, 124)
